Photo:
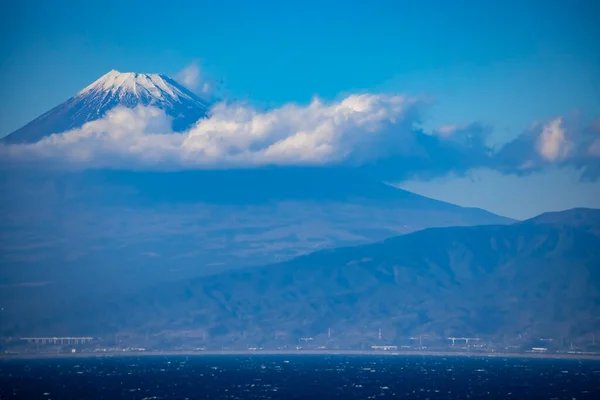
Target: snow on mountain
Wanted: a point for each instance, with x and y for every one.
(128, 89)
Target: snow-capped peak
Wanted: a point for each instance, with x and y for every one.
(140, 85)
(116, 89)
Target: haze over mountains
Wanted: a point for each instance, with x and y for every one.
(152, 226)
(540, 277)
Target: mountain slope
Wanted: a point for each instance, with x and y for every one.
(538, 277)
(105, 232)
(112, 90)
(199, 221)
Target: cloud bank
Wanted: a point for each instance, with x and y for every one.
(376, 133)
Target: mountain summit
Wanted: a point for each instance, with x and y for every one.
(128, 89)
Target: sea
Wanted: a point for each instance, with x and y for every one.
(311, 377)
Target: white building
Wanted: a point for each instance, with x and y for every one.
(384, 347)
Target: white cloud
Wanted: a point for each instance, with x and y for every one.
(234, 135)
(376, 132)
(552, 143)
(123, 137)
(558, 142)
(318, 133)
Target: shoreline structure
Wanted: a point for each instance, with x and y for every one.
(576, 356)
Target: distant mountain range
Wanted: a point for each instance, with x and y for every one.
(114, 89)
(537, 277)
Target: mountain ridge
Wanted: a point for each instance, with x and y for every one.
(528, 278)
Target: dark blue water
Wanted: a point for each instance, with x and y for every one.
(299, 377)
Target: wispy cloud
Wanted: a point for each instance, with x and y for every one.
(190, 76)
(196, 80)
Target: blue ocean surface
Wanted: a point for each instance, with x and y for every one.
(299, 377)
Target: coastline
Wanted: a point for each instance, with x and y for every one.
(175, 353)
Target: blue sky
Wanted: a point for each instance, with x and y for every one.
(506, 64)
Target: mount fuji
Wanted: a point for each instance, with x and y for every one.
(128, 89)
